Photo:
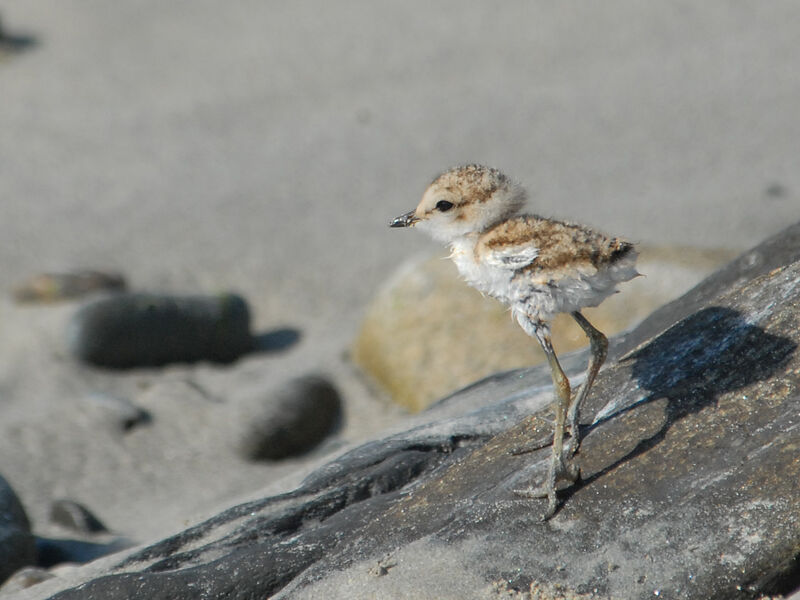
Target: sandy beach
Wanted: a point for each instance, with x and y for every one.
(262, 148)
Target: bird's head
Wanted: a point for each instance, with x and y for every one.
(464, 200)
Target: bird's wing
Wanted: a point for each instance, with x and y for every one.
(511, 256)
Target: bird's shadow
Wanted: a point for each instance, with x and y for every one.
(713, 352)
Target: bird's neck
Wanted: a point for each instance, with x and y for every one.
(464, 243)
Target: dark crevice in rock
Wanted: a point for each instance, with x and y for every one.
(173, 544)
(269, 570)
(372, 458)
(782, 580)
(387, 476)
(387, 472)
(176, 561)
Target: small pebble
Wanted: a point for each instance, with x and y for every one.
(122, 414)
(75, 516)
(52, 287)
(290, 420)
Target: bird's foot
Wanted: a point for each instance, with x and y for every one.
(560, 471)
(531, 446)
(542, 491)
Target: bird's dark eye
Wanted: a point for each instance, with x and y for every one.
(444, 205)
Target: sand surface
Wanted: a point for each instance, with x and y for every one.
(262, 147)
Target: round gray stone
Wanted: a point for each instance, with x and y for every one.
(291, 420)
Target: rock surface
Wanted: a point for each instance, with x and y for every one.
(689, 480)
(137, 329)
(17, 547)
(417, 339)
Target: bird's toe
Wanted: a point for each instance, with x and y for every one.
(539, 491)
(529, 447)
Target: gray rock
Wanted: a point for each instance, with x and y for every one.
(290, 420)
(17, 548)
(689, 483)
(133, 330)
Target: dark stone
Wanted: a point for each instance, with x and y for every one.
(17, 548)
(292, 420)
(689, 481)
(75, 516)
(135, 330)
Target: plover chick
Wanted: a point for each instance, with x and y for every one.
(539, 267)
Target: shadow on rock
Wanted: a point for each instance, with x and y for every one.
(693, 363)
(53, 551)
(277, 340)
(12, 43)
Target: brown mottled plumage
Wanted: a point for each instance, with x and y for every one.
(539, 267)
(560, 244)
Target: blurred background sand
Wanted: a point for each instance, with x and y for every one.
(262, 147)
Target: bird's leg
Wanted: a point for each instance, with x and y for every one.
(559, 469)
(599, 349)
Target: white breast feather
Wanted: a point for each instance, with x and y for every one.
(494, 275)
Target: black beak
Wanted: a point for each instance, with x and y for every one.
(406, 220)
